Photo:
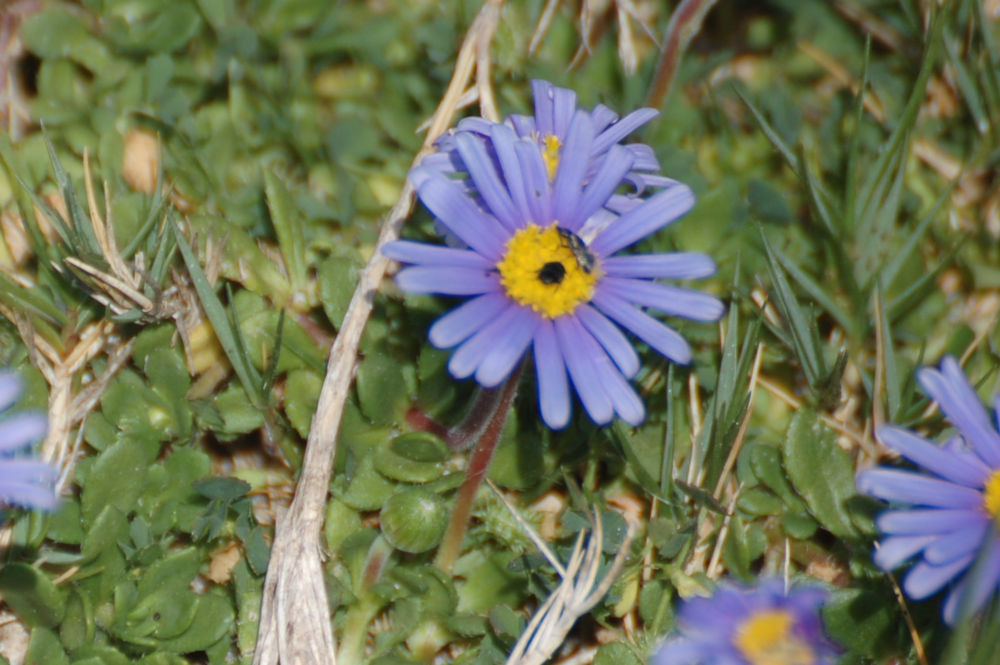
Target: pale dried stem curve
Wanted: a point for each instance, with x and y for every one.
(294, 618)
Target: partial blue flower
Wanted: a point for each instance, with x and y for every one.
(549, 126)
(946, 513)
(541, 275)
(759, 625)
(24, 481)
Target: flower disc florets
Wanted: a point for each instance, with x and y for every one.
(541, 269)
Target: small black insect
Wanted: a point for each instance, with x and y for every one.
(573, 243)
(552, 272)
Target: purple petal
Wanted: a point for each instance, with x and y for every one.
(602, 116)
(447, 280)
(503, 140)
(894, 550)
(536, 181)
(475, 125)
(673, 300)
(624, 400)
(663, 339)
(686, 652)
(541, 92)
(957, 543)
(10, 390)
(675, 265)
(600, 188)
(523, 125)
(563, 108)
(20, 430)
(461, 322)
(966, 470)
(573, 161)
(500, 360)
(553, 387)
(983, 580)
(894, 485)
(487, 180)
(928, 521)
(618, 131)
(645, 160)
(28, 495)
(466, 359)
(586, 380)
(610, 338)
(924, 579)
(457, 211)
(653, 214)
(407, 251)
(952, 391)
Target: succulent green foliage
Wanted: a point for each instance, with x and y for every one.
(849, 250)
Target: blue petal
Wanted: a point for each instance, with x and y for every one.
(966, 470)
(457, 211)
(460, 323)
(983, 581)
(536, 181)
(928, 521)
(407, 251)
(20, 430)
(674, 300)
(894, 550)
(924, 579)
(487, 180)
(958, 543)
(894, 485)
(553, 386)
(563, 106)
(503, 140)
(610, 338)
(600, 188)
(675, 265)
(500, 360)
(28, 495)
(618, 131)
(446, 281)
(10, 389)
(624, 400)
(660, 337)
(584, 375)
(541, 92)
(573, 161)
(951, 389)
(653, 214)
(467, 357)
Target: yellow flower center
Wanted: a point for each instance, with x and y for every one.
(548, 269)
(550, 153)
(766, 639)
(991, 496)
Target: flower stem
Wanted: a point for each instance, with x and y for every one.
(486, 419)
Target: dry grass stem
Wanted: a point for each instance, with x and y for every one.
(295, 617)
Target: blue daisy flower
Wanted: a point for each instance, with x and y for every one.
(759, 625)
(555, 109)
(24, 481)
(540, 274)
(947, 512)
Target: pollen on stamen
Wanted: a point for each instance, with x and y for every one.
(766, 638)
(540, 270)
(991, 496)
(550, 154)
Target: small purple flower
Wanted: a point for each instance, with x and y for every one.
(540, 272)
(949, 510)
(761, 625)
(24, 481)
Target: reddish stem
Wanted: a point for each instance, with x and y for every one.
(487, 418)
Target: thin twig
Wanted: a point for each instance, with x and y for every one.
(684, 24)
(295, 615)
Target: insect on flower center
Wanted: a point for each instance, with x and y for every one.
(991, 496)
(766, 638)
(550, 153)
(548, 269)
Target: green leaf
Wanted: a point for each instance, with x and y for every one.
(44, 649)
(821, 471)
(288, 227)
(223, 489)
(382, 389)
(32, 595)
(337, 278)
(616, 653)
(117, 479)
(213, 619)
